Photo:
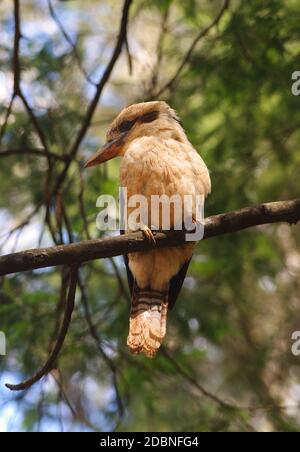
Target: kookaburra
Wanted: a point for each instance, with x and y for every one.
(158, 159)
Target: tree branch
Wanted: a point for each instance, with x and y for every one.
(100, 86)
(17, 38)
(77, 253)
(48, 366)
(70, 42)
(40, 152)
(188, 55)
(17, 75)
(97, 339)
(7, 115)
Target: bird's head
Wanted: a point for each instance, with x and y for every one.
(136, 121)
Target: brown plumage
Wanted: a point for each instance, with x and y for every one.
(158, 160)
(148, 320)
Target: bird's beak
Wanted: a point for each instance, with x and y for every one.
(110, 150)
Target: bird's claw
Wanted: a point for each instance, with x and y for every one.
(195, 221)
(148, 234)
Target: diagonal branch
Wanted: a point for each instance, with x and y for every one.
(185, 374)
(70, 42)
(48, 366)
(97, 339)
(34, 121)
(100, 86)
(17, 78)
(77, 253)
(7, 115)
(188, 55)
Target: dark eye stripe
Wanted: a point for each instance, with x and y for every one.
(149, 117)
(126, 125)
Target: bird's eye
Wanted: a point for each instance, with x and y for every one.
(126, 125)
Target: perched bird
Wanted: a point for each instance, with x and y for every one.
(158, 159)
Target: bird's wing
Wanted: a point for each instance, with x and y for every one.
(176, 284)
(130, 277)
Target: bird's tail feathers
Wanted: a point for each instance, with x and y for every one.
(148, 321)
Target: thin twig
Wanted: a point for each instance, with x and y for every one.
(100, 86)
(97, 339)
(70, 42)
(17, 75)
(181, 371)
(34, 121)
(39, 152)
(7, 115)
(159, 54)
(122, 287)
(189, 53)
(23, 223)
(129, 57)
(81, 204)
(48, 366)
(18, 92)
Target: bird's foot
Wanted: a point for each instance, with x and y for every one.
(195, 221)
(148, 234)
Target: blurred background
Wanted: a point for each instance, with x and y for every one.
(226, 67)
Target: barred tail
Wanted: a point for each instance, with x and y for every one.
(148, 321)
